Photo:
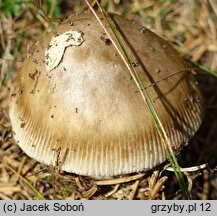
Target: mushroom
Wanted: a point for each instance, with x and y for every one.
(74, 103)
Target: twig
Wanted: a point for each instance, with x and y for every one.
(189, 169)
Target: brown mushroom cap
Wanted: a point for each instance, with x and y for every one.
(75, 103)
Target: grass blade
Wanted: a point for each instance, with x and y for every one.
(34, 190)
(203, 68)
(147, 99)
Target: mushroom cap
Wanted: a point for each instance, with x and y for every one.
(74, 103)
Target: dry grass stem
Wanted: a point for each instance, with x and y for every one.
(120, 180)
